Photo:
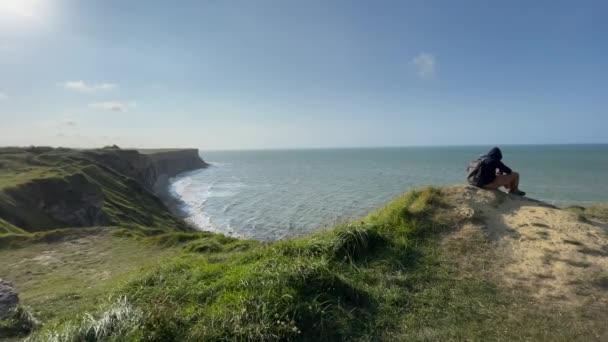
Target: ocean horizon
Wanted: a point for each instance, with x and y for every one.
(203, 151)
(281, 193)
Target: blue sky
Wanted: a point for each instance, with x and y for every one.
(284, 74)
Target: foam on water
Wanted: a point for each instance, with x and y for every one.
(195, 194)
(270, 195)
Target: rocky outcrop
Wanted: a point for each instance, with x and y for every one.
(14, 319)
(8, 299)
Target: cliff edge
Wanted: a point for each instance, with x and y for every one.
(151, 168)
(45, 188)
(557, 256)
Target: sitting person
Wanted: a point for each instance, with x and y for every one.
(488, 172)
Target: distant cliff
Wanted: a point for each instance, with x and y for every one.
(151, 168)
(168, 164)
(45, 188)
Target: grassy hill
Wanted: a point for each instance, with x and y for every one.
(454, 263)
(412, 270)
(43, 189)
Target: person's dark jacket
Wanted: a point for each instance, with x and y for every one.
(490, 164)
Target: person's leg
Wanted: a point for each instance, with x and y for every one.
(500, 180)
(514, 184)
(510, 182)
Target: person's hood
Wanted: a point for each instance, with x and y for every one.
(494, 154)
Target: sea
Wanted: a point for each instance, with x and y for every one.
(270, 195)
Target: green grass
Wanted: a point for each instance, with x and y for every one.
(7, 228)
(26, 174)
(593, 212)
(389, 276)
(25, 239)
(71, 271)
(35, 183)
(18, 322)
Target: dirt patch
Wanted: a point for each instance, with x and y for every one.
(46, 258)
(541, 249)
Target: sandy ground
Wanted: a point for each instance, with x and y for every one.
(550, 253)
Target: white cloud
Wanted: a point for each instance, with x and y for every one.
(83, 87)
(114, 106)
(3, 96)
(425, 65)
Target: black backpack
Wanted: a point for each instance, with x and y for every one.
(474, 172)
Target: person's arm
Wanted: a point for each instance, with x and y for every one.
(504, 168)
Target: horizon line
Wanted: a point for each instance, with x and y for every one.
(390, 146)
(315, 148)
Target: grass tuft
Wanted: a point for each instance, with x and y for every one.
(117, 320)
(354, 242)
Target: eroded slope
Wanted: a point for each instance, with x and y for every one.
(554, 255)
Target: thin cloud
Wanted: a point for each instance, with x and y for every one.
(114, 106)
(425, 65)
(84, 87)
(59, 123)
(69, 122)
(3, 96)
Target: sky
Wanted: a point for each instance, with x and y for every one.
(297, 74)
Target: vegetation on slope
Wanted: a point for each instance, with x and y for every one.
(389, 276)
(7, 228)
(44, 188)
(594, 212)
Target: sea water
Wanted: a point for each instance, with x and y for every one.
(275, 194)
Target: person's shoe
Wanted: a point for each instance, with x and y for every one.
(518, 193)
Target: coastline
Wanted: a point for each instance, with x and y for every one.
(173, 201)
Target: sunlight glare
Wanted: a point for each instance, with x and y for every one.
(23, 8)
